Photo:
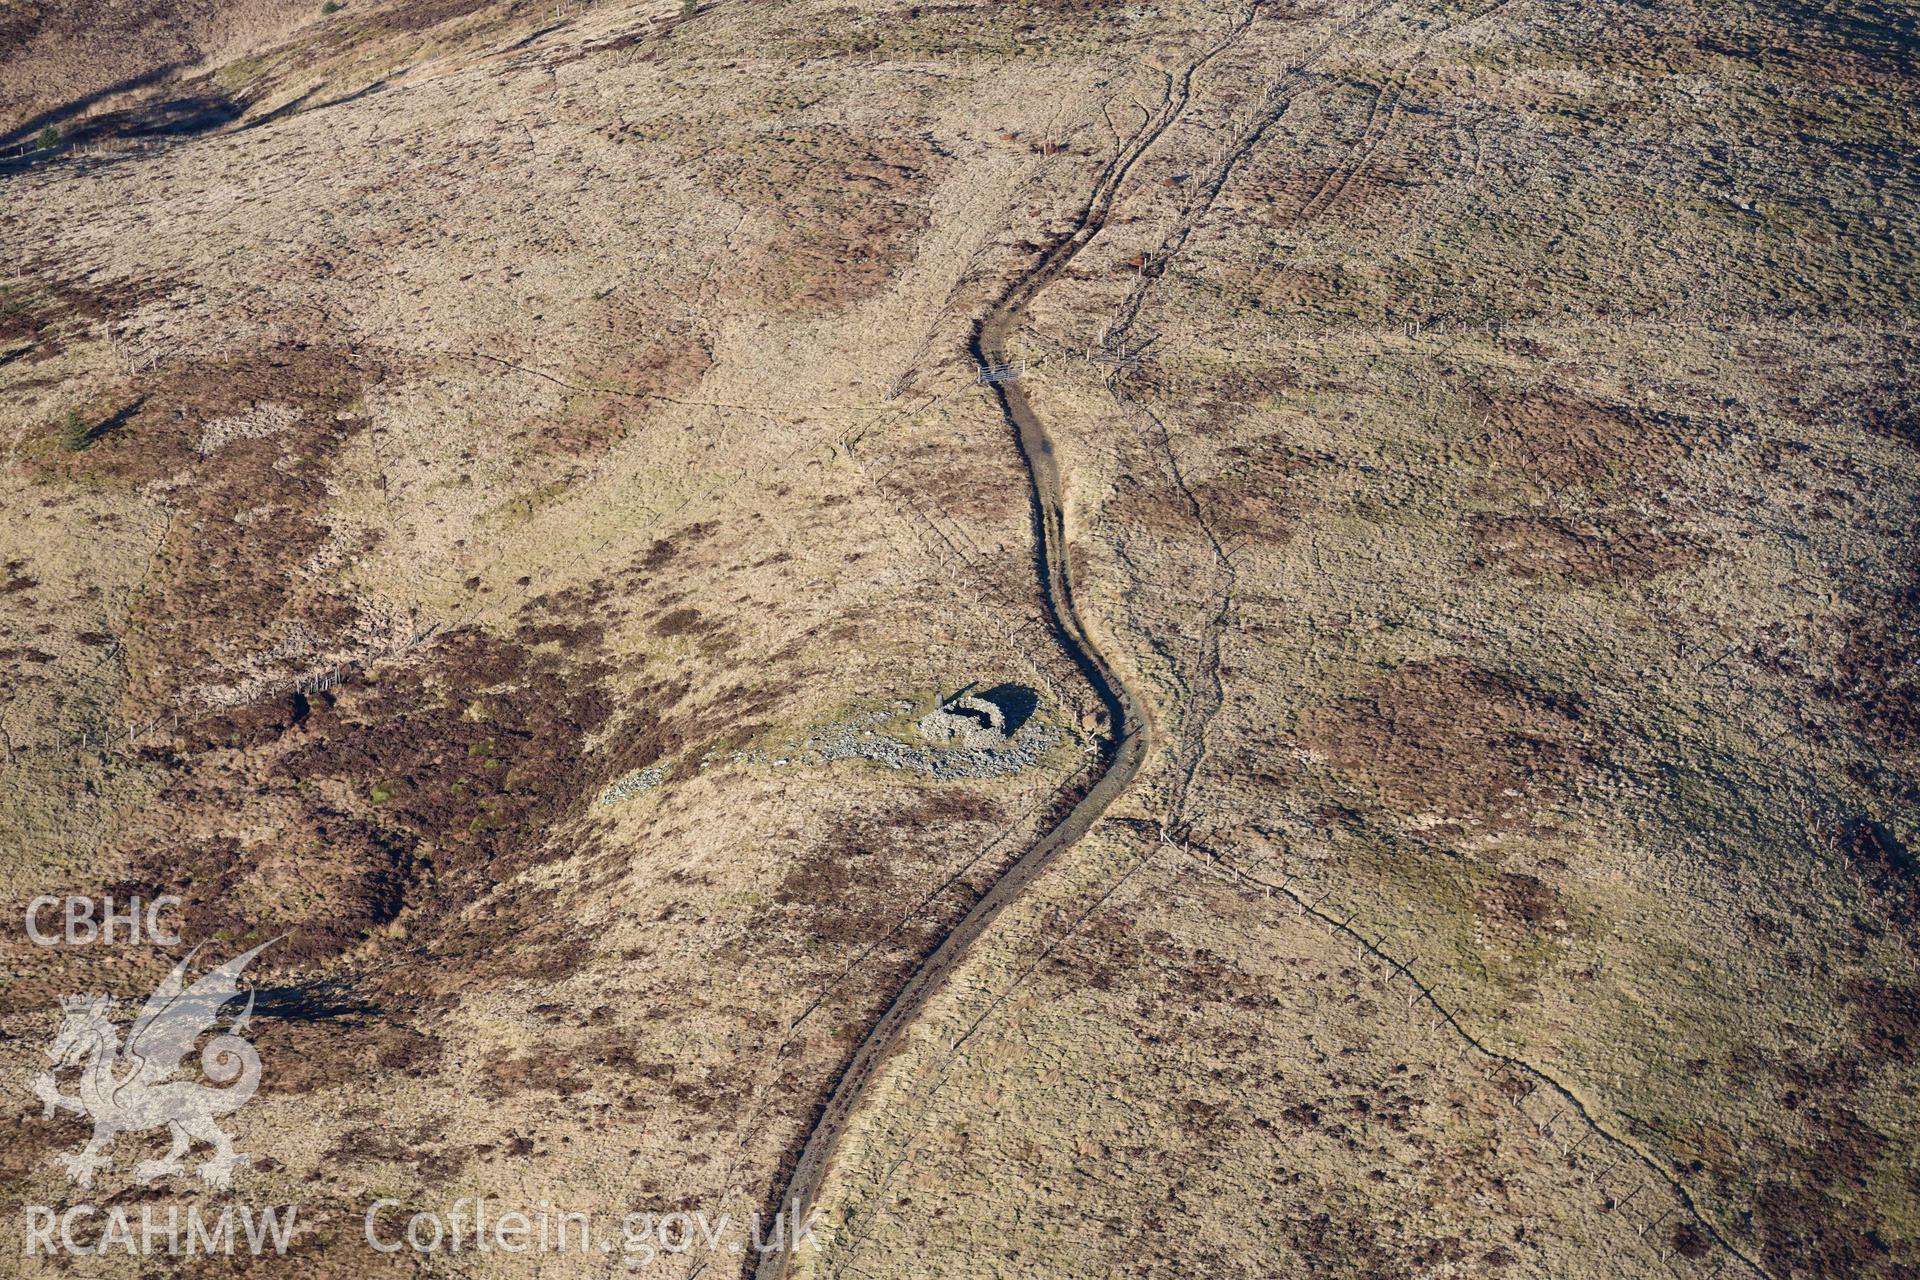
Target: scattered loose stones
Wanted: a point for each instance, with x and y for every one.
(961, 740)
(971, 723)
(632, 784)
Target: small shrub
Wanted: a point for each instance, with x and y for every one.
(689, 7)
(75, 433)
(48, 138)
(331, 6)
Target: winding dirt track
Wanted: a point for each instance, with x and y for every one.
(1129, 731)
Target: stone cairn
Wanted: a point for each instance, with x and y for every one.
(966, 722)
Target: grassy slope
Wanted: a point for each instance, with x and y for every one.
(1524, 456)
(1510, 518)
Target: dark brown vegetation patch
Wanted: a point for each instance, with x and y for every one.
(843, 212)
(1361, 186)
(415, 795)
(568, 1070)
(627, 364)
(40, 315)
(1517, 906)
(309, 1054)
(1877, 669)
(1558, 438)
(1885, 402)
(860, 876)
(1444, 735)
(1620, 546)
(1886, 1018)
(420, 15)
(248, 514)
(1251, 495)
(1886, 869)
(1822, 1205)
(1802, 1237)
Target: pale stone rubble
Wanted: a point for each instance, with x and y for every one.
(969, 723)
(964, 737)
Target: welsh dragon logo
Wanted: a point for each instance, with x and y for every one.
(129, 1089)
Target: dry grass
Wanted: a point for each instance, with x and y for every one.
(1508, 521)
